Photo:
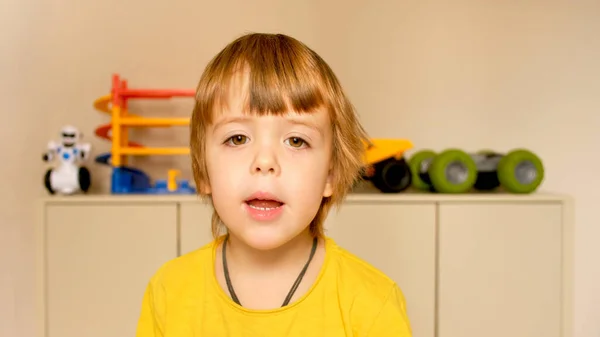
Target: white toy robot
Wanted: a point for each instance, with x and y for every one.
(70, 176)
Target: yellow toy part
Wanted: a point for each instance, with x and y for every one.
(380, 149)
(116, 132)
(386, 166)
(172, 176)
(103, 103)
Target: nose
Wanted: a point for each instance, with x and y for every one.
(265, 162)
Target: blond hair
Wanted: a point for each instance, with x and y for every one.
(283, 75)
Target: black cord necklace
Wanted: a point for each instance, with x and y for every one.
(294, 286)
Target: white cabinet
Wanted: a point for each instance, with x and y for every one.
(96, 261)
(500, 264)
(195, 230)
(469, 265)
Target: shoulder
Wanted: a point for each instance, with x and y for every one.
(357, 272)
(375, 301)
(185, 269)
(173, 283)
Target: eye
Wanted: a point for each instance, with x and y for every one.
(237, 140)
(296, 142)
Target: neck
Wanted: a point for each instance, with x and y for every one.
(292, 253)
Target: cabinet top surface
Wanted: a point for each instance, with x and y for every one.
(372, 197)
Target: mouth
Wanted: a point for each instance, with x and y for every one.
(262, 201)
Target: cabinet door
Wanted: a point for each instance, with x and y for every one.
(98, 261)
(398, 239)
(500, 270)
(195, 218)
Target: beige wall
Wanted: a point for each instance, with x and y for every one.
(434, 72)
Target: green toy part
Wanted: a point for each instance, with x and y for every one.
(453, 171)
(486, 152)
(520, 171)
(415, 163)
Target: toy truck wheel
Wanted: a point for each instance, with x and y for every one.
(392, 176)
(453, 171)
(520, 171)
(419, 165)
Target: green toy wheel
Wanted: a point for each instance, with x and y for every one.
(417, 168)
(453, 171)
(520, 171)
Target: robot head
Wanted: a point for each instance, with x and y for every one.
(69, 135)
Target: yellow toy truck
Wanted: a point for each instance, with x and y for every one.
(386, 166)
(450, 171)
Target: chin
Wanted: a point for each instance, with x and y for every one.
(265, 239)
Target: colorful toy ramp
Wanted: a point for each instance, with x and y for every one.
(128, 180)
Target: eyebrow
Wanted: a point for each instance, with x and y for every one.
(307, 124)
(245, 119)
(223, 121)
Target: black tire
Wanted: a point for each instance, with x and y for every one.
(47, 183)
(85, 179)
(392, 176)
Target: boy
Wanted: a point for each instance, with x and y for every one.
(275, 144)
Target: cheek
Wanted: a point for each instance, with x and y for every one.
(306, 176)
(224, 171)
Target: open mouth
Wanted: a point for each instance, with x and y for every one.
(263, 204)
(264, 208)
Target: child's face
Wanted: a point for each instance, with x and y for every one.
(285, 159)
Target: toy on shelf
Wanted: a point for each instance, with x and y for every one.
(387, 168)
(456, 171)
(125, 179)
(70, 176)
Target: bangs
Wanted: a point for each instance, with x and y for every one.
(271, 74)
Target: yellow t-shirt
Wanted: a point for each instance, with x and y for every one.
(349, 298)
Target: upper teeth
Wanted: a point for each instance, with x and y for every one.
(262, 208)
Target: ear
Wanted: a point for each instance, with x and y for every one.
(328, 191)
(204, 188)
